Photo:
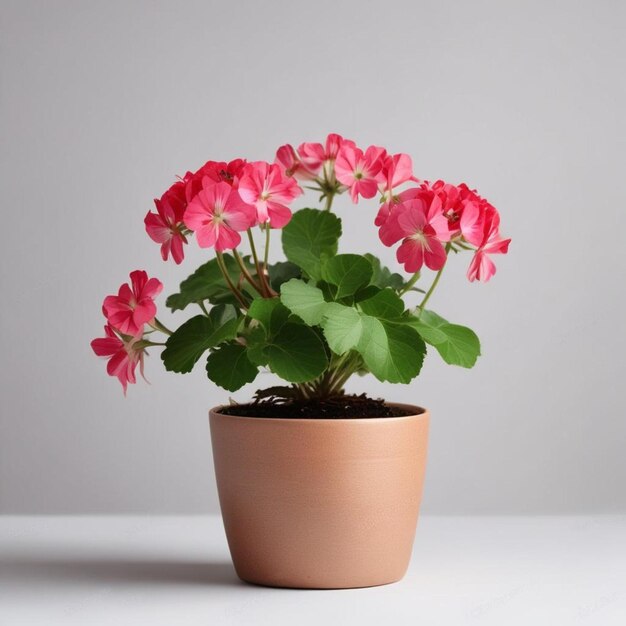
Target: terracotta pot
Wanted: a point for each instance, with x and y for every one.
(320, 503)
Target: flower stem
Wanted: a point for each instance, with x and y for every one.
(246, 273)
(260, 270)
(229, 282)
(409, 284)
(158, 326)
(266, 252)
(329, 200)
(435, 282)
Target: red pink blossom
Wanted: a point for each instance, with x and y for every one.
(287, 158)
(134, 305)
(166, 225)
(217, 214)
(416, 223)
(124, 355)
(315, 156)
(359, 171)
(482, 267)
(269, 190)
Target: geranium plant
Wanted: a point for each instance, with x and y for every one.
(318, 317)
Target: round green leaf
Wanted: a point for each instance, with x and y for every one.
(297, 354)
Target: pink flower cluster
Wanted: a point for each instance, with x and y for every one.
(219, 201)
(424, 218)
(427, 217)
(127, 313)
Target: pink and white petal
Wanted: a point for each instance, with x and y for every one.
(241, 219)
(227, 238)
(487, 268)
(279, 215)
(166, 248)
(367, 187)
(411, 255)
(106, 346)
(176, 248)
(441, 226)
(311, 155)
(472, 224)
(138, 280)
(434, 254)
(481, 267)
(144, 313)
(391, 232)
(497, 246)
(411, 216)
(206, 235)
(152, 288)
(402, 169)
(383, 213)
(197, 214)
(156, 228)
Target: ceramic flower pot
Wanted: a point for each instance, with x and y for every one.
(320, 503)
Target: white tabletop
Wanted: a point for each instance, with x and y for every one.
(176, 570)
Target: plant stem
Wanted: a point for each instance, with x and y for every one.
(158, 326)
(229, 282)
(268, 292)
(435, 282)
(144, 343)
(341, 372)
(409, 284)
(329, 200)
(204, 309)
(338, 383)
(266, 252)
(246, 273)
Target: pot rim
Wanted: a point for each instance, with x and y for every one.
(416, 412)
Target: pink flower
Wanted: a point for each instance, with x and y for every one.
(288, 160)
(217, 171)
(359, 171)
(124, 356)
(314, 156)
(482, 267)
(134, 306)
(396, 170)
(166, 225)
(267, 188)
(216, 214)
(416, 223)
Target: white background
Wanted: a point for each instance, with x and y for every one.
(102, 104)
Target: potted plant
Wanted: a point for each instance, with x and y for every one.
(317, 488)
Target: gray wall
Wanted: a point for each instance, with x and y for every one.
(103, 103)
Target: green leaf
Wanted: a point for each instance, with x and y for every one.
(206, 283)
(342, 327)
(304, 300)
(348, 272)
(457, 345)
(297, 354)
(382, 276)
(229, 367)
(270, 312)
(282, 272)
(391, 352)
(386, 304)
(310, 235)
(257, 345)
(195, 336)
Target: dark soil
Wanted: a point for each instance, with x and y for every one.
(337, 407)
